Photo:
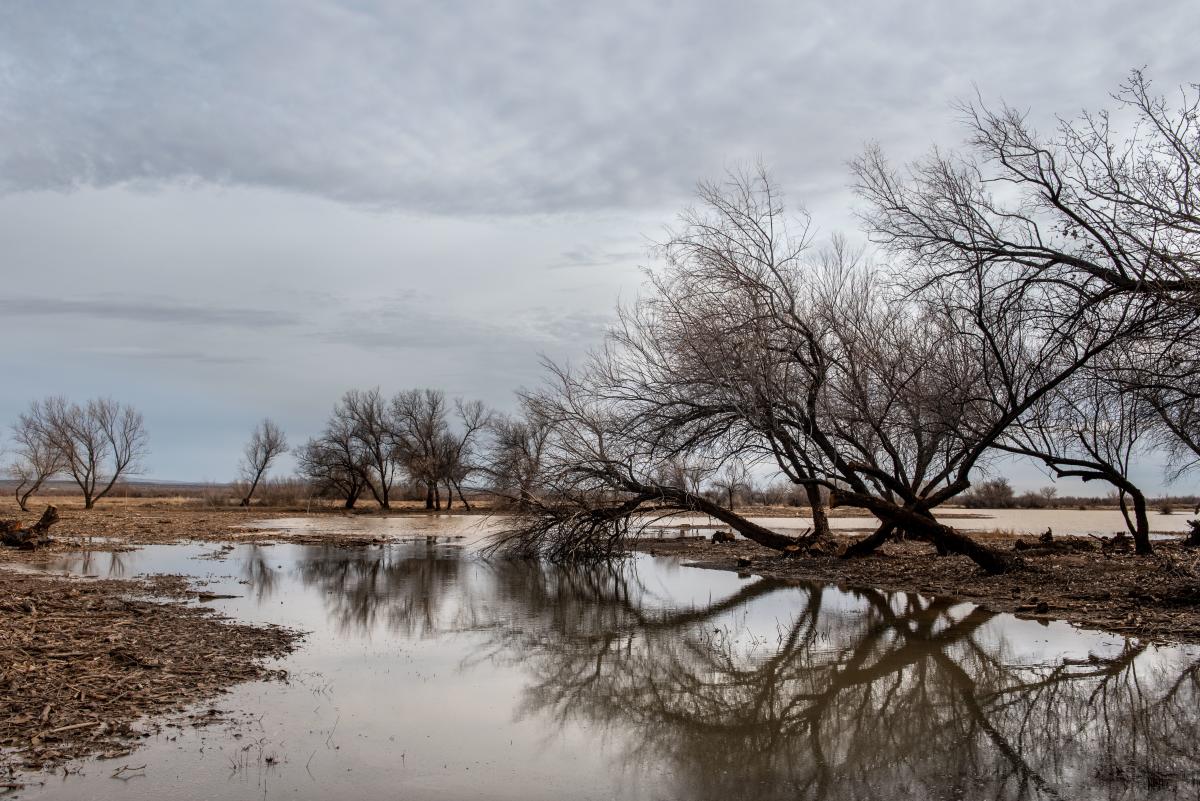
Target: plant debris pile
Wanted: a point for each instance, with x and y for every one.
(82, 661)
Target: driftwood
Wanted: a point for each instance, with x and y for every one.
(14, 536)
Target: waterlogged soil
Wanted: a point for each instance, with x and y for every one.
(1155, 597)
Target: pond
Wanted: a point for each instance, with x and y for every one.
(431, 673)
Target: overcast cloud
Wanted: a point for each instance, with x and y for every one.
(223, 210)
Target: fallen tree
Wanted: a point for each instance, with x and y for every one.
(13, 535)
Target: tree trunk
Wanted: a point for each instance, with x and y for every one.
(449, 496)
(428, 496)
(820, 515)
(437, 497)
(868, 544)
(23, 495)
(250, 493)
(462, 497)
(1141, 528)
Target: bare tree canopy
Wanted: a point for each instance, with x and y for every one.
(1106, 205)
(267, 443)
(97, 443)
(366, 413)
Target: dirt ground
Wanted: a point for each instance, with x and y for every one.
(1156, 597)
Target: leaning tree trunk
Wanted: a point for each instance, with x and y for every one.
(698, 503)
(922, 526)
(462, 498)
(13, 535)
(870, 543)
(253, 487)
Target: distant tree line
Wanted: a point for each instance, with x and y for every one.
(371, 442)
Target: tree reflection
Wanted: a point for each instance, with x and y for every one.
(863, 694)
(408, 590)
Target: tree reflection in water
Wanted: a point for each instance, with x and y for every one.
(861, 695)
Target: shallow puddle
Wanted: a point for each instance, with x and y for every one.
(431, 673)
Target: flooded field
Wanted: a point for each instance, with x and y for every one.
(430, 673)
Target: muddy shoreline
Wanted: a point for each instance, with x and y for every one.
(1155, 598)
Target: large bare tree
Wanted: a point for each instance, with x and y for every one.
(267, 443)
(749, 343)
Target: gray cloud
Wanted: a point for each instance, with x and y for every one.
(145, 310)
(167, 355)
(526, 107)
(418, 323)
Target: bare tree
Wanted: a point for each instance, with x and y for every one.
(267, 443)
(458, 448)
(1095, 216)
(366, 411)
(733, 480)
(419, 432)
(99, 442)
(336, 460)
(516, 456)
(36, 457)
(750, 344)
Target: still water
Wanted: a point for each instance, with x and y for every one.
(430, 673)
(1076, 522)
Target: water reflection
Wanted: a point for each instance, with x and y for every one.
(408, 590)
(859, 695)
(666, 682)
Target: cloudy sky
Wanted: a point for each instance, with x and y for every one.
(223, 210)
